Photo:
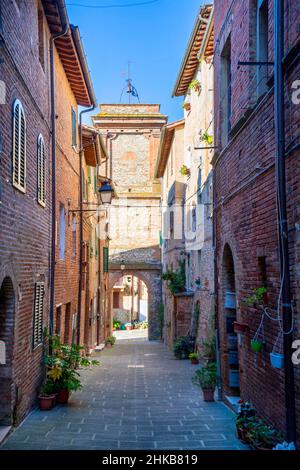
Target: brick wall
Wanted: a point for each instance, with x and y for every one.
(246, 209)
(25, 225)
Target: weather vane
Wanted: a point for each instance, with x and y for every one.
(130, 89)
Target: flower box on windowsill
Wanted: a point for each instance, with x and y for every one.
(240, 327)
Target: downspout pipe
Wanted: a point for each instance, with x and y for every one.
(283, 234)
(65, 28)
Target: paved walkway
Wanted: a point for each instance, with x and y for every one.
(139, 398)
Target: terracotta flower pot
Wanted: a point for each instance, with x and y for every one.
(208, 394)
(194, 361)
(109, 345)
(63, 396)
(242, 435)
(46, 402)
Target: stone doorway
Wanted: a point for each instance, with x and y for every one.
(7, 309)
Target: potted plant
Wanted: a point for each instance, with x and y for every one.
(209, 349)
(277, 360)
(110, 341)
(195, 85)
(186, 105)
(262, 436)
(240, 327)
(206, 378)
(244, 420)
(185, 171)
(62, 365)
(194, 358)
(128, 326)
(47, 396)
(182, 347)
(206, 137)
(256, 345)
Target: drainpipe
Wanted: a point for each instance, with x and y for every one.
(287, 314)
(65, 28)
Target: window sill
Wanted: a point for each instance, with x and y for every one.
(19, 188)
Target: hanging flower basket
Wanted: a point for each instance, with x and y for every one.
(185, 171)
(256, 346)
(240, 327)
(186, 106)
(277, 356)
(258, 340)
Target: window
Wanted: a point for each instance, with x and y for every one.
(171, 223)
(19, 147)
(62, 232)
(194, 219)
(262, 29)
(41, 176)
(41, 38)
(95, 180)
(68, 324)
(74, 128)
(91, 241)
(116, 300)
(225, 98)
(38, 314)
(57, 320)
(74, 236)
(84, 186)
(199, 263)
(199, 186)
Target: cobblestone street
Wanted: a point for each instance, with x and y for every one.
(139, 398)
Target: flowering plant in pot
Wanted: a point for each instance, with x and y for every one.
(244, 420)
(206, 378)
(195, 85)
(110, 341)
(194, 358)
(185, 171)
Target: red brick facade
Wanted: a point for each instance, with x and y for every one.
(25, 224)
(245, 201)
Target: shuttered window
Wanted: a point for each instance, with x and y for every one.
(38, 314)
(19, 147)
(74, 127)
(41, 171)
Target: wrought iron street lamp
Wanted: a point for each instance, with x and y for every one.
(106, 193)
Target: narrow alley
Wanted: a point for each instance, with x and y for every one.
(139, 397)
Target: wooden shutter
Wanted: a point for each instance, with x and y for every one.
(105, 259)
(41, 171)
(38, 313)
(74, 128)
(19, 147)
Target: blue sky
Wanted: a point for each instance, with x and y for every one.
(153, 37)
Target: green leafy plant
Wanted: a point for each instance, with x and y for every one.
(175, 279)
(193, 355)
(257, 297)
(182, 347)
(62, 363)
(206, 377)
(186, 105)
(185, 171)
(209, 349)
(263, 436)
(116, 324)
(206, 137)
(110, 340)
(195, 85)
(48, 388)
(161, 319)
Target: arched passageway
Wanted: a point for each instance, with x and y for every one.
(142, 297)
(7, 309)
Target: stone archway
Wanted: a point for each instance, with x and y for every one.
(7, 309)
(152, 279)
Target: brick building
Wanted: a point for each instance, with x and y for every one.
(169, 161)
(245, 195)
(195, 84)
(25, 202)
(73, 89)
(132, 133)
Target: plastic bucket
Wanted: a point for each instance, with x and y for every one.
(277, 360)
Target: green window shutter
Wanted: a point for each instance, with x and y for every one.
(89, 175)
(96, 243)
(91, 241)
(105, 259)
(95, 179)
